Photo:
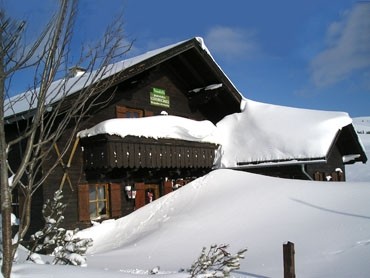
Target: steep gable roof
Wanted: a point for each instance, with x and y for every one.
(193, 63)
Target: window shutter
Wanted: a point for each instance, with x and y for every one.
(140, 195)
(83, 202)
(115, 200)
(121, 111)
(148, 113)
(126, 112)
(167, 187)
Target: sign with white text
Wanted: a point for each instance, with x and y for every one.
(158, 98)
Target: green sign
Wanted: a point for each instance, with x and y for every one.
(158, 98)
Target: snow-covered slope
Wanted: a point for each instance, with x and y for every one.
(362, 124)
(328, 222)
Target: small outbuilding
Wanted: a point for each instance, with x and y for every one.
(289, 142)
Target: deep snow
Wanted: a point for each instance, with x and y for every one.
(327, 221)
(251, 211)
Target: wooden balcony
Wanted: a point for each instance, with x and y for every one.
(110, 151)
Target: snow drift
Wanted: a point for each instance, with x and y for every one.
(327, 221)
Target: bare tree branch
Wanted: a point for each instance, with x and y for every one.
(53, 106)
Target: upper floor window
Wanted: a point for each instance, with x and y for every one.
(126, 112)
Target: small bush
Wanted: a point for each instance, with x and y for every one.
(216, 262)
(57, 241)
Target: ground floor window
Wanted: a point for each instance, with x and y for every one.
(98, 201)
(145, 194)
(151, 193)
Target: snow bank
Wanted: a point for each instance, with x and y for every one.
(328, 222)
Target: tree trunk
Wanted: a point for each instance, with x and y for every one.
(6, 210)
(5, 192)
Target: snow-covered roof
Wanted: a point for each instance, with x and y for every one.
(261, 133)
(264, 133)
(67, 86)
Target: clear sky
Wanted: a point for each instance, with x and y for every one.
(309, 54)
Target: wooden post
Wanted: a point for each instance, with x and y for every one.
(288, 256)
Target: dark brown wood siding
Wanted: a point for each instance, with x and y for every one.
(140, 195)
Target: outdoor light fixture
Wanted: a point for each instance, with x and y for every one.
(131, 193)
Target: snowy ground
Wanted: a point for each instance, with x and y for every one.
(328, 222)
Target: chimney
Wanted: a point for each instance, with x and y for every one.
(76, 71)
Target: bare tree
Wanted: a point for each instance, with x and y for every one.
(49, 102)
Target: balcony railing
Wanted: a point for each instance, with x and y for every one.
(110, 151)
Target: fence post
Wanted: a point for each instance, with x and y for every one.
(288, 256)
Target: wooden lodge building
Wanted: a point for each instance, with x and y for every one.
(106, 176)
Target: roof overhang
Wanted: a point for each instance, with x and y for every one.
(346, 140)
(277, 163)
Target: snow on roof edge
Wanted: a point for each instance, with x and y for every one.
(161, 126)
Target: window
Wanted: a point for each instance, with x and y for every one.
(125, 112)
(99, 201)
(145, 194)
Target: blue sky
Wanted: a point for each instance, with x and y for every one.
(309, 54)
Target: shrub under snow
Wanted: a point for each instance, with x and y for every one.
(61, 243)
(216, 262)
